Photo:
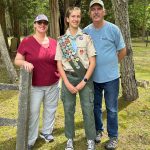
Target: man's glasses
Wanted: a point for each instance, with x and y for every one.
(42, 21)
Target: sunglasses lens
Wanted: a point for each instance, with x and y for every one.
(44, 22)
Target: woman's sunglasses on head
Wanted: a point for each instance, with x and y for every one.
(42, 21)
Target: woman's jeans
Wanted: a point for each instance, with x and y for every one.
(49, 95)
(110, 91)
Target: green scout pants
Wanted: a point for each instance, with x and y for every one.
(69, 102)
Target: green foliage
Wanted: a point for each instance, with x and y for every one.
(148, 17)
(142, 60)
(29, 9)
(139, 13)
(85, 13)
(138, 16)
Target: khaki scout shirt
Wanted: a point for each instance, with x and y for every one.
(85, 50)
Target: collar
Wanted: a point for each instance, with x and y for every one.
(79, 33)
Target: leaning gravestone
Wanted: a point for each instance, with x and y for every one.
(13, 45)
(6, 58)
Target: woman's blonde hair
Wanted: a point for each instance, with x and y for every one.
(68, 12)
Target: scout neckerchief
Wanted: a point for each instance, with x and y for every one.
(70, 54)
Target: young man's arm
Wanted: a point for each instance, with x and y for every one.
(69, 86)
(92, 61)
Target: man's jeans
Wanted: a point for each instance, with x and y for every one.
(110, 90)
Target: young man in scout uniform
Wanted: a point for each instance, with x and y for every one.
(75, 57)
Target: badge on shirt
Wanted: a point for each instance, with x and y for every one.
(81, 38)
(81, 51)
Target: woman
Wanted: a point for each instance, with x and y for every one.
(75, 55)
(36, 54)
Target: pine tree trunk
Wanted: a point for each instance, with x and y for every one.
(144, 21)
(16, 25)
(128, 80)
(68, 3)
(6, 59)
(61, 19)
(63, 5)
(10, 12)
(54, 19)
(3, 20)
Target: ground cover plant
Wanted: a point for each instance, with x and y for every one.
(134, 117)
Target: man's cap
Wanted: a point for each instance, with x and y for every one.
(41, 17)
(100, 2)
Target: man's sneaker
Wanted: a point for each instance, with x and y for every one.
(69, 145)
(91, 145)
(47, 137)
(98, 137)
(112, 144)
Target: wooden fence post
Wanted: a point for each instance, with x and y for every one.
(23, 110)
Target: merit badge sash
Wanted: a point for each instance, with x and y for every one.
(71, 55)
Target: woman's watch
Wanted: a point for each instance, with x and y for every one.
(85, 80)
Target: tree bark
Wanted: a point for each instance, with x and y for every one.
(10, 18)
(128, 80)
(144, 21)
(68, 3)
(6, 59)
(63, 5)
(54, 19)
(16, 25)
(9, 4)
(61, 19)
(3, 20)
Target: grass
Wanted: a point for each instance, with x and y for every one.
(134, 117)
(142, 60)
